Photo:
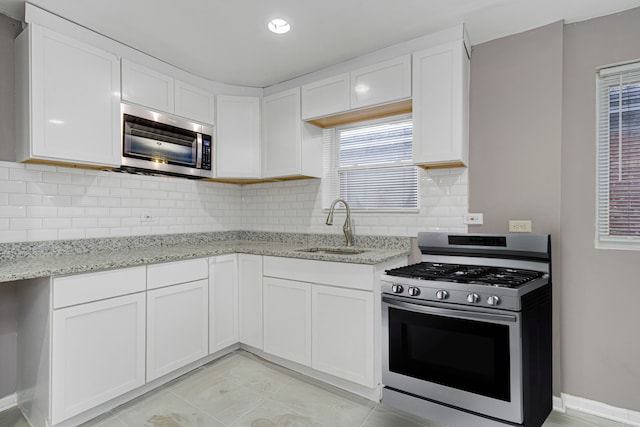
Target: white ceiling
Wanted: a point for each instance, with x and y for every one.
(228, 41)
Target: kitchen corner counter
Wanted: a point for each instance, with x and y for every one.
(36, 264)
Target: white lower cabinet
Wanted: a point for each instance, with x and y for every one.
(342, 332)
(177, 327)
(287, 320)
(250, 301)
(97, 353)
(223, 302)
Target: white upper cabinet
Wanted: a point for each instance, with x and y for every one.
(326, 97)
(194, 103)
(237, 150)
(289, 146)
(381, 83)
(67, 100)
(373, 85)
(144, 86)
(440, 106)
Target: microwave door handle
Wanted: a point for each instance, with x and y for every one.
(462, 314)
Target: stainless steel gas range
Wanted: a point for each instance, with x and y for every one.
(467, 331)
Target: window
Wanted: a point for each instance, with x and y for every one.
(618, 173)
(370, 165)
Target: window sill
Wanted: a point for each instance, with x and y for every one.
(618, 243)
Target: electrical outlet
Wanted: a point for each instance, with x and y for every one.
(520, 226)
(147, 217)
(473, 218)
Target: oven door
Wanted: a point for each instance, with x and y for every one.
(462, 357)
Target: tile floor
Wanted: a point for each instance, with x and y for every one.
(241, 390)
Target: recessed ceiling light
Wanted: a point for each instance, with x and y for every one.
(279, 26)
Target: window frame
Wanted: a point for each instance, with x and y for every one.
(331, 178)
(603, 239)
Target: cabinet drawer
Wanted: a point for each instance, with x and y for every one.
(172, 273)
(82, 288)
(355, 276)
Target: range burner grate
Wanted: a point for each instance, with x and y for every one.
(474, 274)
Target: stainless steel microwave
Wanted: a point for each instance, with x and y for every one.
(155, 142)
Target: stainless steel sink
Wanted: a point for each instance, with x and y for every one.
(332, 251)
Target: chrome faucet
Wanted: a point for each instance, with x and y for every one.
(347, 223)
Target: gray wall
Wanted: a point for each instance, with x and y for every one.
(515, 134)
(9, 29)
(532, 129)
(600, 288)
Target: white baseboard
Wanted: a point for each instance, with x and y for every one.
(558, 404)
(599, 409)
(8, 402)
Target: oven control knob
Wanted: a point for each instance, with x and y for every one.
(442, 295)
(493, 300)
(414, 292)
(396, 289)
(473, 298)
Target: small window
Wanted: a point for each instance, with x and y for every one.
(370, 165)
(618, 173)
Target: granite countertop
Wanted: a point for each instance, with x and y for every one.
(37, 264)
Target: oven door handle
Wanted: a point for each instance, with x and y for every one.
(465, 314)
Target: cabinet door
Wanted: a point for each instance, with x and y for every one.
(287, 320)
(281, 134)
(177, 327)
(74, 101)
(144, 86)
(440, 105)
(381, 83)
(326, 97)
(238, 137)
(98, 353)
(223, 302)
(343, 333)
(194, 103)
(250, 287)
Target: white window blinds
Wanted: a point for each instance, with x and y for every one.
(370, 165)
(618, 173)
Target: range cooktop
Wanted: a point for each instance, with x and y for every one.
(471, 274)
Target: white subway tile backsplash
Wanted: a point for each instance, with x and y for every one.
(87, 201)
(71, 233)
(71, 211)
(42, 188)
(70, 190)
(25, 223)
(59, 201)
(34, 235)
(25, 175)
(41, 212)
(54, 223)
(13, 211)
(63, 203)
(13, 236)
(97, 191)
(19, 187)
(57, 177)
(25, 199)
